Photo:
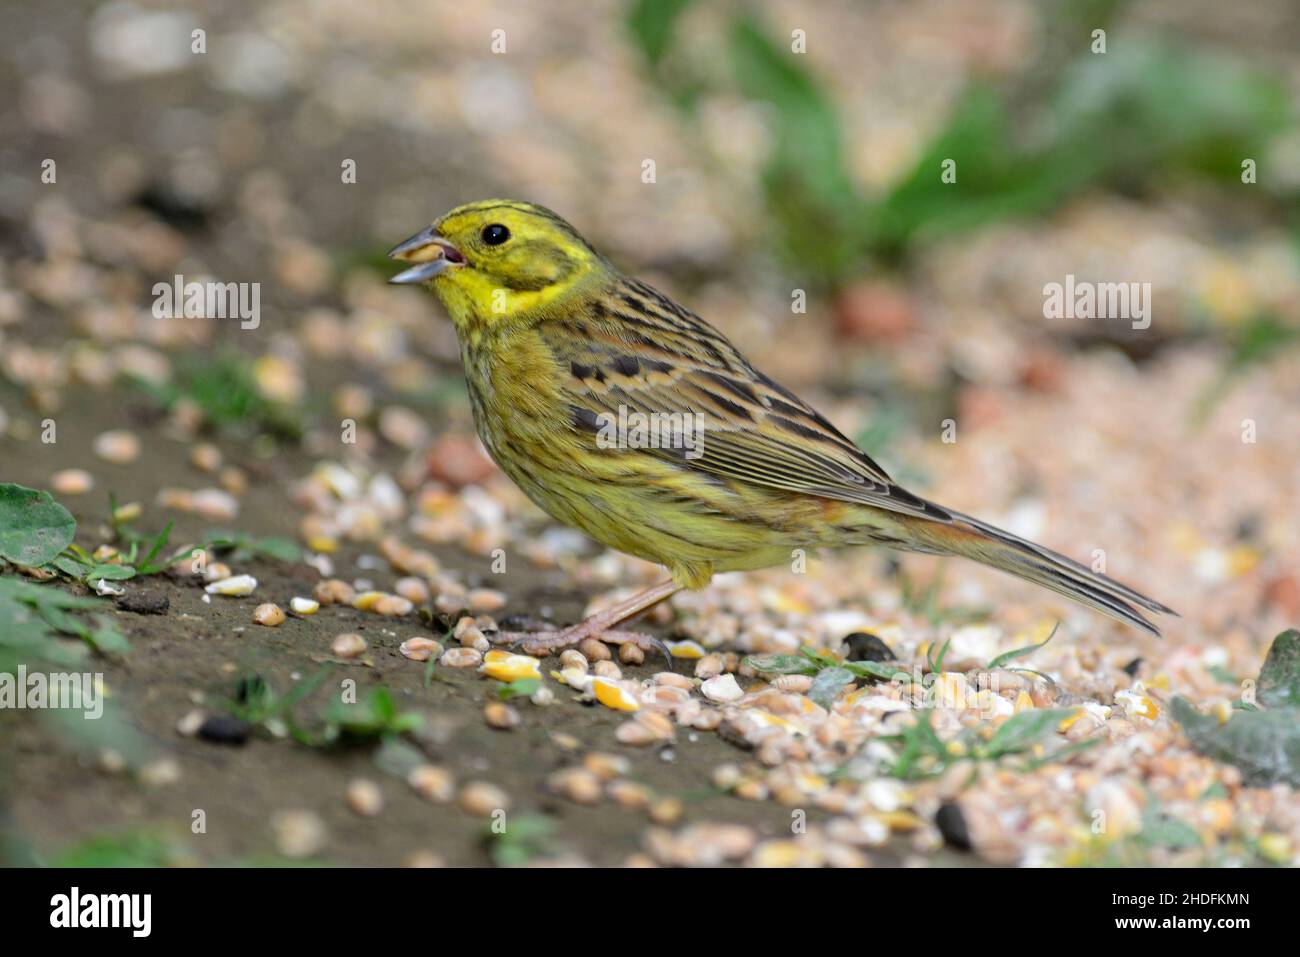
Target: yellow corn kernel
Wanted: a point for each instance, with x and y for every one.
(685, 649)
(504, 666)
(613, 696)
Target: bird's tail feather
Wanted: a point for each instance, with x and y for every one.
(971, 538)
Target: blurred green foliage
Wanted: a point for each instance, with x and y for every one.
(1126, 119)
(224, 387)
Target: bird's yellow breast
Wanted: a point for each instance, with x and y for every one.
(625, 498)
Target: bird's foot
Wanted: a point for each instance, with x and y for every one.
(551, 641)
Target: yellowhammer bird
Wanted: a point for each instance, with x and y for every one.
(627, 416)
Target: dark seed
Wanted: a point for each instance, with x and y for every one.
(952, 825)
(225, 729)
(524, 623)
(864, 646)
(144, 603)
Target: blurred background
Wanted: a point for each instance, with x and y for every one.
(776, 166)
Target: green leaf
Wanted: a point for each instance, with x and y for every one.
(110, 572)
(519, 688)
(652, 24)
(1161, 830)
(936, 664)
(281, 549)
(397, 757)
(878, 670)
(1006, 656)
(1265, 745)
(72, 567)
(135, 849)
(147, 566)
(34, 528)
(782, 664)
(1279, 679)
(828, 684)
(811, 197)
(374, 715)
(1022, 731)
(106, 638)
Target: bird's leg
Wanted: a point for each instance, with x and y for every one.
(599, 626)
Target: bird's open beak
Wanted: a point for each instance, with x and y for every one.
(430, 254)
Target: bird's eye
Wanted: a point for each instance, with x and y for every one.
(495, 234)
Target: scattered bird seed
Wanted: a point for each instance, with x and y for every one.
(577, 784)
(461, 658)
(235, 586)
(298, 834)
(722, 688)
(269, 614)
(482, 799)
(433, 783)
(348, 645)
(594, 650)
(72, 482)
(364, 797)
(420, 649)
(333, 591)
(117, 447)
(501, 716)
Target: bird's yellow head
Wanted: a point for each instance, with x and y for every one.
(499, 261)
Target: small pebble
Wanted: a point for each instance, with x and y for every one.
(190, 722)
(225, 729)
(144, 602)
(864, 646)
